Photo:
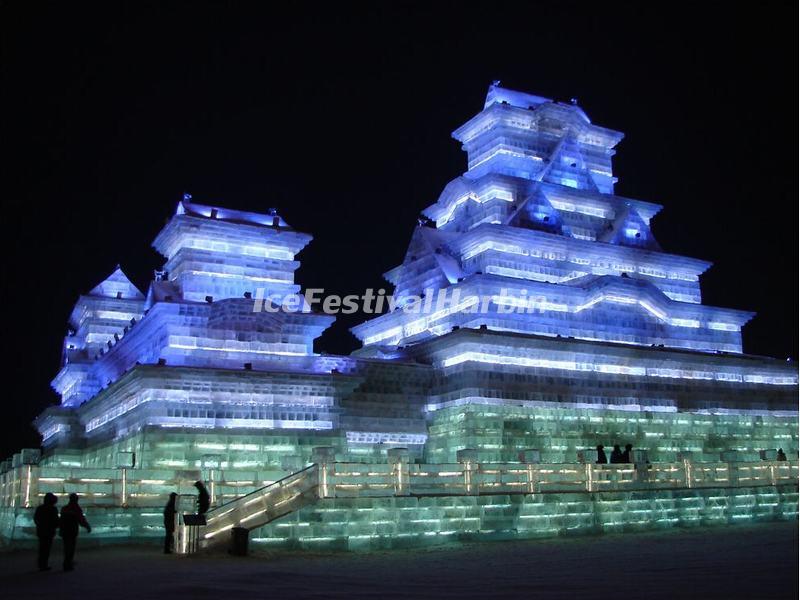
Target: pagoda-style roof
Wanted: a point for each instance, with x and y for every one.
(117, 285)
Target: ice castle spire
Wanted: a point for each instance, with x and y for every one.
(98, 319)
(534, 223)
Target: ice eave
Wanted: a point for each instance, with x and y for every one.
(434, 239)
(131, 304)
(392, 274)
(646, 210)
(499, 94)
(292, 239)
(168, 374)
(235, 216)
(493, 113)
(51, 413)
(582, 292)
(512, 233)
(447, 341)
(67, 369)
(613, 136)
(454, 190)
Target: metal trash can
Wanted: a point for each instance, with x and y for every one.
(240, 539)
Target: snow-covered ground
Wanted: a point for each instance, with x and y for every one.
(758, 561)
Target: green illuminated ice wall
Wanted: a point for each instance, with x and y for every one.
(499, 433)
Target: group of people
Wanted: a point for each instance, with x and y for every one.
(618, 456)
(68, 522)
(48, 521)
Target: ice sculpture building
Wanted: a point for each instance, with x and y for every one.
(590, 319)
(547, 320)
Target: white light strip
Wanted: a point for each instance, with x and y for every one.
(571, 365)
(235, 276)
(489, 245)
(241, 350)
(491, 194)
(506, 152)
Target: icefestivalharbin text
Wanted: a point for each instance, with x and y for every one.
(431, 302)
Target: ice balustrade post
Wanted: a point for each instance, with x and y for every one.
(641, 467)
(12, 488)
(588, 458)
(124, 461)
(590, 476)
(28, 462)
(11, 485)
(325, 457)
(31, 478)
(468, 458)
(686, 459)
(124, 492)
(211, 463)
(731, 459)
(529, 458)
(212, 483)
(3, 482)
(770, 455)
(398, 458)
(7, 479)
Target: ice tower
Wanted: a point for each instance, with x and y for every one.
(534, 222)
(97, 321)
(165, 361)
(560, 307)
(196, 355)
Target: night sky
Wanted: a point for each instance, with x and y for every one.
(340, 117)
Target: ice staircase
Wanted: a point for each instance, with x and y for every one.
(261, 506)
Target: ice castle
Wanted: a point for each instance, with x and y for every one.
(567, 326)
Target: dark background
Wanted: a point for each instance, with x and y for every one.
(340, 117)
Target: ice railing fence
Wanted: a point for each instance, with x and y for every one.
(24, 485)
(473, 478)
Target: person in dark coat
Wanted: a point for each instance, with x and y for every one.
(616, 455)
(627, 456)
(602, 459)
(46, 520)
(169, 523)
(71, 519)
(203, 499)
(781, 454)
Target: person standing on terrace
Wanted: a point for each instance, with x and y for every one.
(71, 519)
(203, 499)
(627, 456)
(602, 459)
(46, 519)
(169, 523)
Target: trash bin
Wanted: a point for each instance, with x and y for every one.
(240, 538)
